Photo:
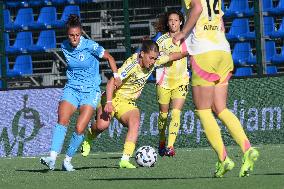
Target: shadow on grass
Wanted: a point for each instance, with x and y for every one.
(269, 174)
(153, 178)
(106, 157)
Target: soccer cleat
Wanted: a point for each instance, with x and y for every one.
(223, 167)
(126, 164)
(162, 148)
(47, 161)
(170, 151)
(67, 166)
(249, 158)
(86, 146)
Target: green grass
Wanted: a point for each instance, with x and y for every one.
(190, 169)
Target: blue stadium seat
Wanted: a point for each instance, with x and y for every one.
(22, 66)
(243, 72)
(268, 26)
(46, 40)
(271, 70)
(70, 9)
(79, 1)
(240, 30)
(22, 41)
(278, 58)
(8, 23)
(239, 8)
(279, 9)
(36, 3)
(270, 50)
(59, 2)
(23, 18)
(242, 54)
(267, 6)
(16, 3)
(46, 17)
(280, 32)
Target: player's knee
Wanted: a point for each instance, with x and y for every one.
(63, 122)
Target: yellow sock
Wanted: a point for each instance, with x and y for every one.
(212, 132)
(174, 127)
(235, 128)
(129, 148)
(162, 123)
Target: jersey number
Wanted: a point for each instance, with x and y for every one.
(214, 8)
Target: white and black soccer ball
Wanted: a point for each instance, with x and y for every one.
(146, 156)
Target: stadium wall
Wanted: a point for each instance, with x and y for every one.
(28, 116)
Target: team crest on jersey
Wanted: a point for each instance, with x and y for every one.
(123, 74)
(95, 46)
(81, 57)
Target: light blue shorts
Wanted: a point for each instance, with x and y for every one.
(78, 97)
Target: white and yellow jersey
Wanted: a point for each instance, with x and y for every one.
(208, 33)
(174, 73)
(134, 77)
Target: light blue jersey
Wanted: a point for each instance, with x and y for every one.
(83, 64)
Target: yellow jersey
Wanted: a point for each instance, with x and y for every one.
(174, 73)
(134, 77)
(208, 33)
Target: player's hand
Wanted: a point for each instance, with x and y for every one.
(108, 108)
(117, 82)
(179, 36)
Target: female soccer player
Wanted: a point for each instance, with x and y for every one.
(172, 81)
(120, 103)
(212, 67)
(81, 91)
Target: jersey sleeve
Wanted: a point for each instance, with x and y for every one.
(162, 59)
(96, 49)
(127, 68)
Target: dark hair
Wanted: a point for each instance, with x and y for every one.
(73, 22)
(149, 45)
(162, 24)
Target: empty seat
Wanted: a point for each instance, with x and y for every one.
(46, 41)
(271, 69)
(268, 25)
(239, 8)
(36, 3)
(79, 1)
(278, 58)
(23, 19)
(8, 23)
(58, 2)
(46, 17)
(70, 9)
(22, 66)
(22, 41)
(242, 54)
(270, 50)
(279, 9)
(280, 32)
(239, 30)
(243, 72)
(16, 3)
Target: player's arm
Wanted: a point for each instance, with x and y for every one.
(113, 67)
(163, 59)
(109, 93)
(192, 17)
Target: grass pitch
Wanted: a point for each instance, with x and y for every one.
(189, 169)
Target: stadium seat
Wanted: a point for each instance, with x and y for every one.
(22, 66)
(243, 72)
(22, 41)
(58, 2)
(23, 18)
(279, 9)
(239, 30)
(242, 54)
(79, 1)
(8, 23)
(271, 70)
(70, 9)
(46, 17)
(268, 26)
(280, 32)
(270, 51)
(36, 3)
(46, 40)
(267, 7)
(16, 3)
(278, 58)
(239, 8)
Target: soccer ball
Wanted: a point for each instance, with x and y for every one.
(146, 156)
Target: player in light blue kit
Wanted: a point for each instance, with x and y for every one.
(82, 90)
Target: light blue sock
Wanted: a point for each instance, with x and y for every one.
(59, 132)
(75, 143)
